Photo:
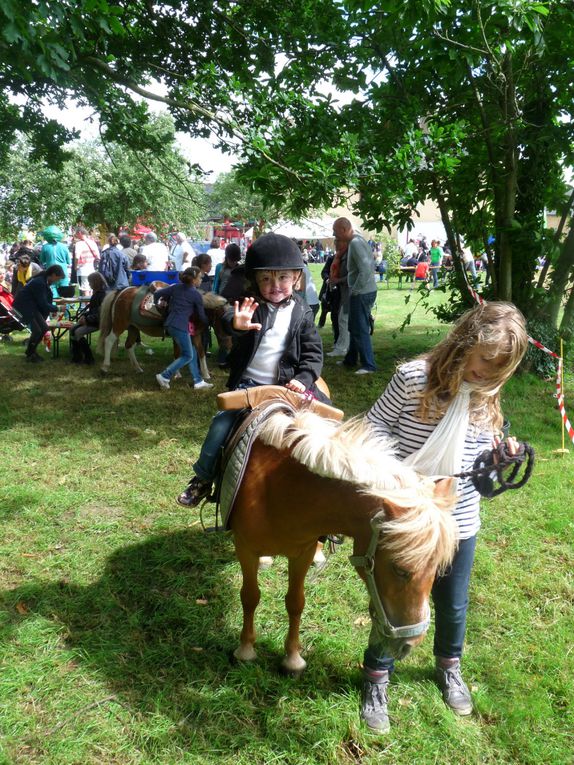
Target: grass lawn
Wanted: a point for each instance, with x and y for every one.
(118, 614)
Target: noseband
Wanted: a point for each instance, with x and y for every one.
(380, 619)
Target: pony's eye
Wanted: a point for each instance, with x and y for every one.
(402, 573)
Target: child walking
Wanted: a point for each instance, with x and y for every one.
(275, 343)
(184, 302)
(443, 409)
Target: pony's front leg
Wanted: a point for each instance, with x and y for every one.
(133, 336)
(250, 595)
(293, 662)
(109, 344)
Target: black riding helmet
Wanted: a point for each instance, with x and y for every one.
(273, 252)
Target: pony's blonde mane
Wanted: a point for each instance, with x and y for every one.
(212, 300)
(351, 452)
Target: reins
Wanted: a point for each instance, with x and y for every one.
(490, 465)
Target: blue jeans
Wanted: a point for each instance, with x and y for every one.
(450, 598)
(360, 347)
(434, 272)
(188, 356)
(219, 429)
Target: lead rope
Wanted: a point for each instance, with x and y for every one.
(486, 465)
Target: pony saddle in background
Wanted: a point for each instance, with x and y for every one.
(146, 306)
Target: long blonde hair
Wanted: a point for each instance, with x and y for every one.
(500, 329)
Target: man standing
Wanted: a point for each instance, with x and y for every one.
(155, 253)
(363, 292)
(86, 257)
(182, 252)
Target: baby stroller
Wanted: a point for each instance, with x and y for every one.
(10, 319)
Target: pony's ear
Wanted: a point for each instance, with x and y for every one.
(443, 487)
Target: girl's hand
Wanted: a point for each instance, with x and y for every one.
(512, 445)
(243, 314)
(295, 386)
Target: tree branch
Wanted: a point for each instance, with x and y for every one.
(187, 105)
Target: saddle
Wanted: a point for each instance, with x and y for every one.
(258, 404)
(146, 307)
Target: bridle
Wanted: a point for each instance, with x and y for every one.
(381, 621)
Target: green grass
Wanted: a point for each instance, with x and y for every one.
(108, 657)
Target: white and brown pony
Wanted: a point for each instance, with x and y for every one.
(120, 312)
(309, 477)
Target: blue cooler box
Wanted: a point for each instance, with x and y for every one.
(147, 277)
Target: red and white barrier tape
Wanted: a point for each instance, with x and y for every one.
(560, 399)
(559, 394)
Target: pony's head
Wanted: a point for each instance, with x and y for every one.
(403, 521)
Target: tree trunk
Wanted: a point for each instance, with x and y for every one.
(567, 323)
(560, 277)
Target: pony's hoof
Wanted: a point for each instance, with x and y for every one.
(292, 671)
(245, 654)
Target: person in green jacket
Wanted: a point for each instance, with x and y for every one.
(55, 252)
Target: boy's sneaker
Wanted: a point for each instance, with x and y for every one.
(162, 381)
(455, 692)
(202, 385)
(195, 492)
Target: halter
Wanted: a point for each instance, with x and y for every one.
(380, 619)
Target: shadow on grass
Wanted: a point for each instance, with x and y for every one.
(156, 625)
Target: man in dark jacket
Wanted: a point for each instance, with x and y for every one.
(34, 302)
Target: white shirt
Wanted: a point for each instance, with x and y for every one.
(217, 256)
(181, 255)
(264, 366)
(85, 251)
(411, 249)
(156, 255)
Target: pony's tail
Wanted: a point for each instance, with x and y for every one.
(106, 319)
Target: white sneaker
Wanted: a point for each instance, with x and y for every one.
(202, 385)
(162, 381)
(336, 353)
(149, 352)
(362, 371)
(265, 562)
(176, 375)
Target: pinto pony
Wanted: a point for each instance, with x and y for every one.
(117, 315)
(308, 477)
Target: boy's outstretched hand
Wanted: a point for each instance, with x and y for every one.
(295, 386)
(243, 314)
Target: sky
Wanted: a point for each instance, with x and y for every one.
(199, 150)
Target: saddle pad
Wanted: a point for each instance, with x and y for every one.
(237, 454)
(138, 316)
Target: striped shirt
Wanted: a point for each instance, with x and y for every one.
(394, 415)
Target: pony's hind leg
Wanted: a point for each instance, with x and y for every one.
(109, 344)
(250, 595)
(293, 662)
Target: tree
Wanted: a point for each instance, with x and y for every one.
(233, 200)
(102, 183)
(466, 104)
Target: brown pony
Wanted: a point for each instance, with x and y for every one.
(308, 477)
(117, 316)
